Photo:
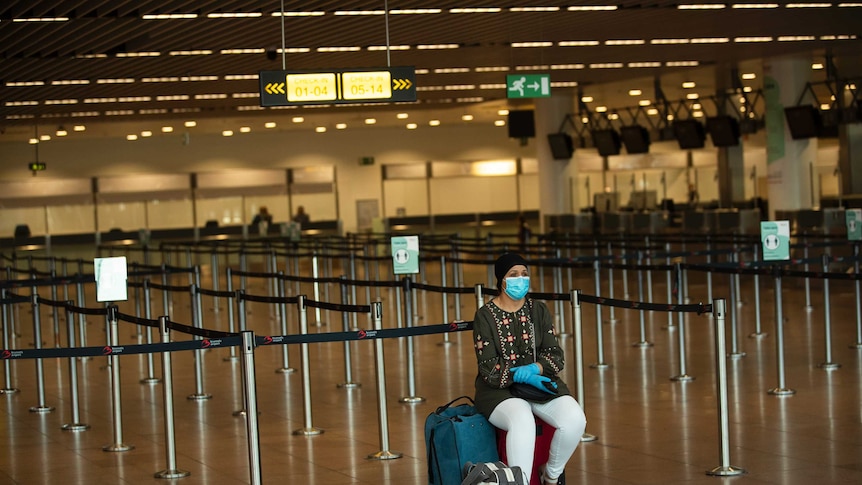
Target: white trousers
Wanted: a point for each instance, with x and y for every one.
(516, 416)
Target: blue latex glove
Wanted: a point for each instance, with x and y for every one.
(538, 381)
(522, 373)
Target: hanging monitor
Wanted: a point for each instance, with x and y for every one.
(561, 145)
(522, 124)
(723, 130)
(635, 138)
(607, 142)
(689, 134)
(804, 121)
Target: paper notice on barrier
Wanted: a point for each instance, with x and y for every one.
(111, 276)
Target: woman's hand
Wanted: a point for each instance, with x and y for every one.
(522, 373)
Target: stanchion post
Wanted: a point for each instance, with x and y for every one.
(250, 393)
(308, 429)
(345, 326)
(55, 312)
(215, 282)
(75, 424)
(412, 397)
(40, 406)
(735, 297)
(611, 315)
(827, 363)
(116, 400)
(285, 356)
(758, 330)
(7, 364)
(709, 271)
(858, 288)
(667, 261)
(578, 333)
(444, 297)
(171, 471)
(808, 306)
(643, 342)
(231, 318)
(600, 352)
(150, 378)
(380, 372)
(781, 389)
(315, 273)
(195, 301)
(683, 375)
(724, 468)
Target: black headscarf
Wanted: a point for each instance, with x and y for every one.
(504, 263)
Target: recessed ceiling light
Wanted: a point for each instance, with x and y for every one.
(269, 124)
(34, 141)
(817, 66)
(500, 123)
(370, 121)
(298, 119)
(644, 102)
(402, 116)
(434, 123)
(601, 109)
(61, 132)
(44, 137)
(749, 75)
(467, 117)
(245, 129)
(692, 96)
(652, 112)
(411, 126)
(587, 99)
(635, 92)
(320, 129)
(825, 106)
(689, 84)
(146, 133)
(131, 137)
(341, 126)
(502, 112)
(79, 128)
(190, 124)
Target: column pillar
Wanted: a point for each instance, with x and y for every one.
(731, 175)
(788, 161)
(556, 194)
(850, 158)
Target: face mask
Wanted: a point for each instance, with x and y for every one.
(517, 287)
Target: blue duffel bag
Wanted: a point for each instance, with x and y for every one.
(455, 435)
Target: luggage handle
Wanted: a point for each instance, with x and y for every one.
(446, 406)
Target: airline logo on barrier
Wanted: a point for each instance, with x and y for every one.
(367, 334)
(108, 350)
(205, 343)
(6, 354)
(267, 340)
(272, 340)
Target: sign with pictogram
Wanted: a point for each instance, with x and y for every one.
(405, 254)
(775, 237)
(338, 86)
(528, 86)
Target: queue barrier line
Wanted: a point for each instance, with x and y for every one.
(105, 350)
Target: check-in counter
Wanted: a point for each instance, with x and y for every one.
(695, 222)
(654, 222)
(581, 223)
(616, 222)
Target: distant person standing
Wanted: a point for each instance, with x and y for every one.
(524, 232)
(301, 217)
(693, 196)
(262, 220)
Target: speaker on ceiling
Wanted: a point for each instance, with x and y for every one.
(723, 130)
(635, 138)
(562, 146)
(689, 133)
(522, 124)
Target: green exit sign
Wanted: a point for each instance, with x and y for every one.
(37, 166)
(528, 86)
(366, 160)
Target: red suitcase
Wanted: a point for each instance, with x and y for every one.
(544, 433)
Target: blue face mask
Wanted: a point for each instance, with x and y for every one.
(517, 287)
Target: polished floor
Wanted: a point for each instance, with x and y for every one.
(650, 429)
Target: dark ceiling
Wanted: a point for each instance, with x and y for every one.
(72, 59)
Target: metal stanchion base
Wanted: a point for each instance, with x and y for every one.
(285, 370)
(781, 391)
(829, 365)
(682, 378)
(118, 447)
(411, 400)
(758, 335)
(643, 344)
(172, 474)
(348, 385)
(41, 409)
(150, 380)
(735, 355)
(10, 390)
(600, 365)
(857, 345)
(308, 431)
(586, 437)
(75, 427)
(199, 397)
(726, 471)
(385, 455)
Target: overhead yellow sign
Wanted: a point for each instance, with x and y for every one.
(389, 84)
